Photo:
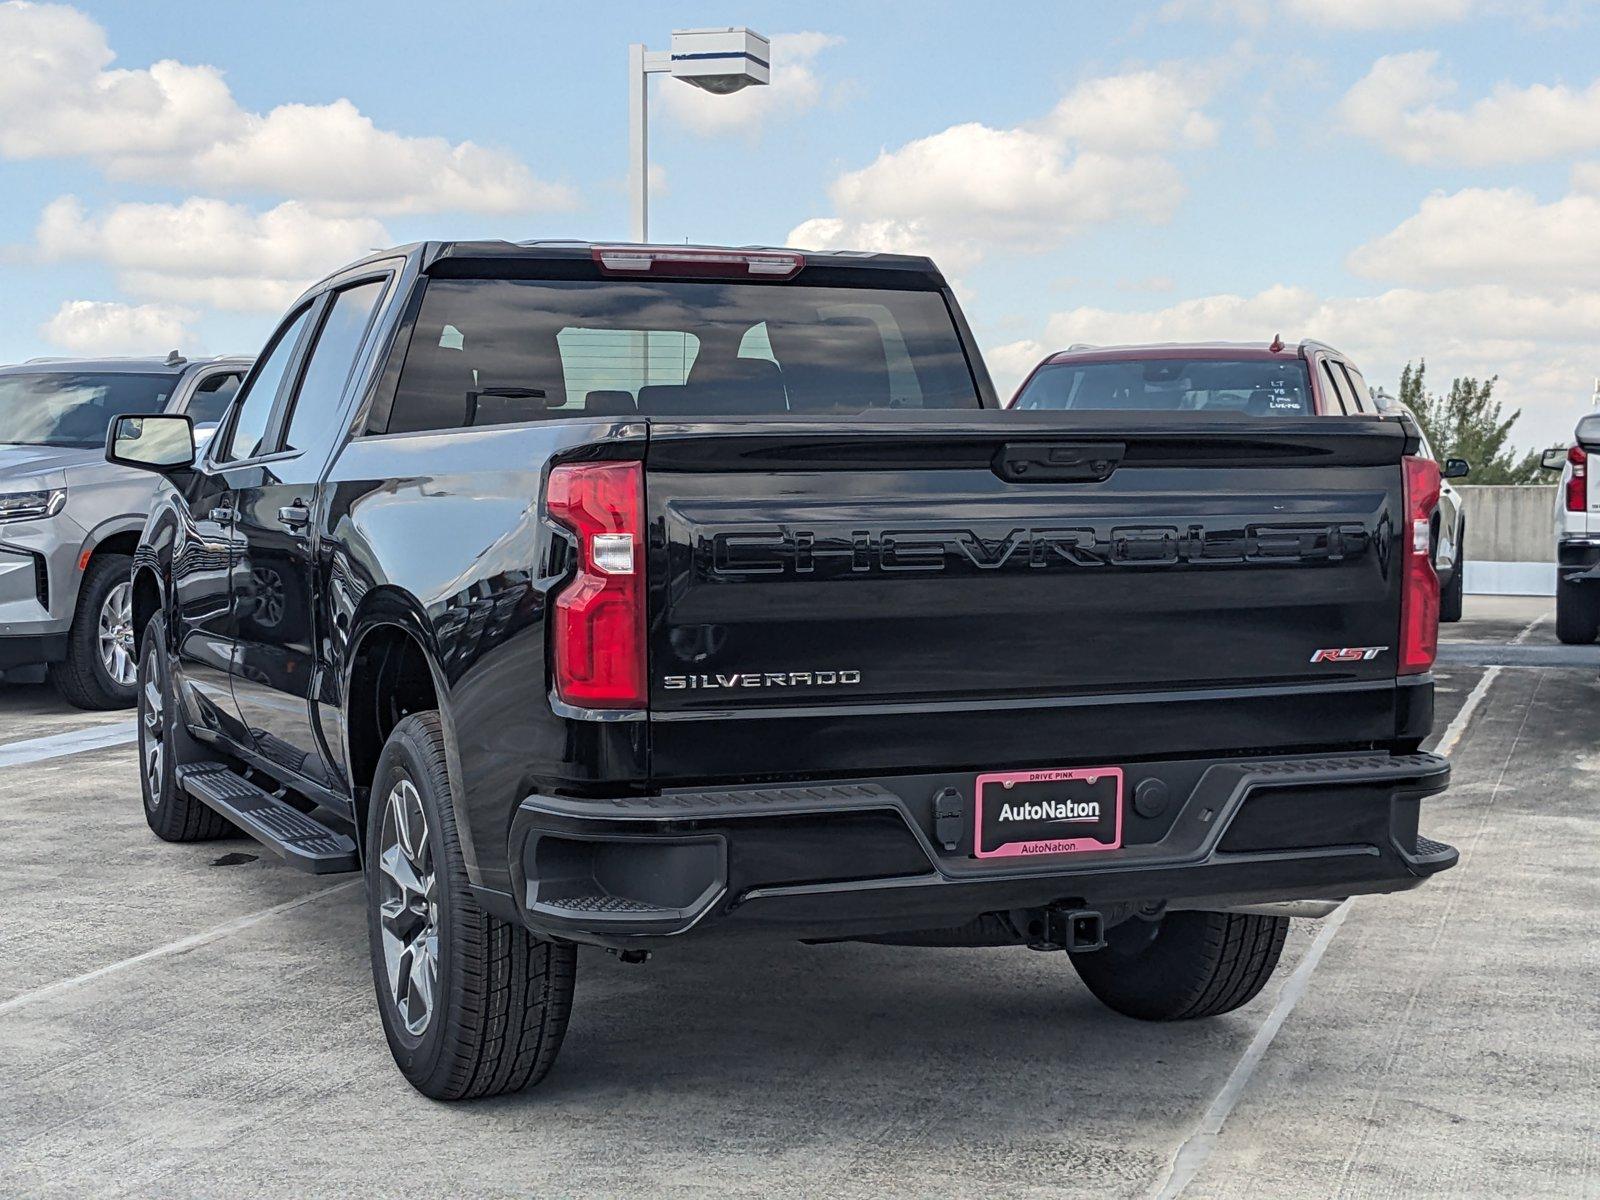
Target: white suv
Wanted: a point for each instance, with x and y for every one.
(1577, 535)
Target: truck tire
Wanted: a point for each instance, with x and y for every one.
(471, 1005)
(1577, 614)
(1454, 594)
(1187, 965)
(164, 745)
(100, 669)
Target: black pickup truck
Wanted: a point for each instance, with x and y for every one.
(623, 595)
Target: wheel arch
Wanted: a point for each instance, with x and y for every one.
(114, 535)
(149, 598)
(392, 670)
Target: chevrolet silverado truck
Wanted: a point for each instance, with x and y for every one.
(625, 596)
(1577, 532)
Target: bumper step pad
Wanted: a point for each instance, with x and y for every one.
(300, 840)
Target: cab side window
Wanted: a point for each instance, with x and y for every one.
(317, 401)
(1359, 389)
(210, 401)
(1336, 390)
(254, 410)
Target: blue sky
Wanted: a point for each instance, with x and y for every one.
(1399, 177)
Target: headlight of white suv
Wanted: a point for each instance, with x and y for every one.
(26, 506)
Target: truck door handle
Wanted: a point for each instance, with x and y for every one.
(221, 514)
(295, 516)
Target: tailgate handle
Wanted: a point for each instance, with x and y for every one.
(1058, 462)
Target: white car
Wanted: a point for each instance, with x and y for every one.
(1450, 529)
(1577, 536)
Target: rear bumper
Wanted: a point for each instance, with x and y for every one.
(870, 857)
(1578, 560)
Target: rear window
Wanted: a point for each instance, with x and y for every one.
(493, 351)
(1253, 387)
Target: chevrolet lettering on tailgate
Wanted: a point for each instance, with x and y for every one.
(839, 550)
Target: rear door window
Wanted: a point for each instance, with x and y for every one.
(317, 404)
(1359, 391)
(1339, 388)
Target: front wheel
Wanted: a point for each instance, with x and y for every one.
(1184, 966)
(471, 1005)
(100, 669)
(164, 745)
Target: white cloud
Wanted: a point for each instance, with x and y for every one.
(795, 88)
(106, 327)
(208, 251)
(335, 154)
(1098, 156)
(1351, 15)
(1140, 112)
(1397, 104)
(1381, 14)
(1541, 346)
(180, 125)
(1490, 235)
(1009, 364)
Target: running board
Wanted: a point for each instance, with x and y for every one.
(300, 840)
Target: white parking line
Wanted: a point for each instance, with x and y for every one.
(57, 745)
(1194, 1152)
(1198, 1147)
(171, 948)
(1454, 730)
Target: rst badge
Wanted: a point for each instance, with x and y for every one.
(1347, 654)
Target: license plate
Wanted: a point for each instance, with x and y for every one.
(1048, 812)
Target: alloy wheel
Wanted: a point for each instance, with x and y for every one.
(115, 634)
(153, 730)
(408, 907)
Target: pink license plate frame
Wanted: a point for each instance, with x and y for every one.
(990, 786)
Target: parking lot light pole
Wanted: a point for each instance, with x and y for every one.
(721, 61)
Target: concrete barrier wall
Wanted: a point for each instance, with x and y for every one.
(1510, 524)
(1511, 546)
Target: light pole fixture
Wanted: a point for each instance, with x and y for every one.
(721, 61)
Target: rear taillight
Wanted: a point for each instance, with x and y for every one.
(1419, 582)
(597, 622)
(1578, 481)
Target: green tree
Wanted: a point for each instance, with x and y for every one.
(1466, 423)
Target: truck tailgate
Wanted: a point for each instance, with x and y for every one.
(1005, 589)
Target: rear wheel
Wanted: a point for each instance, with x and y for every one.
(1577, 613)
(471, 1005)
(1450, 601)
(1186, 965)
(100, 668)
(164, 745)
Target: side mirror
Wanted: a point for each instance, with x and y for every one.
(161, 443)
(1554, 459)
(1457, 468)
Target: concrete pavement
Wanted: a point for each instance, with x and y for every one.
(198, 1020)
